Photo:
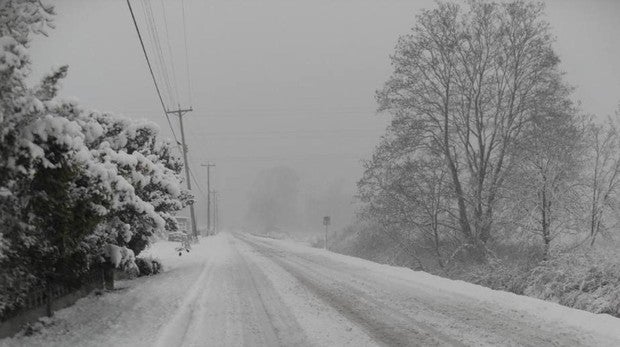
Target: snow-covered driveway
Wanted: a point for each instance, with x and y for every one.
(240, 290)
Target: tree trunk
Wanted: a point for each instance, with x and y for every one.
(545, 214)
(435, 226)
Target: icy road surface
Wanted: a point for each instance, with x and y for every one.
(240, 290)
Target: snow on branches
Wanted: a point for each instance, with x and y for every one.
(74, 183)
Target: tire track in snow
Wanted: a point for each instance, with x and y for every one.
(386, 326)
(321, 323)
(232, 303)
(283, 323)
(174, 333)
(470, 321)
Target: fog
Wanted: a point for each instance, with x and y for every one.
(286, 84)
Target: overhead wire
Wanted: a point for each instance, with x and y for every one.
(172, 67)
(148, 62)
(189, 84)
(158, 50)
(157, 67)
(163, 66)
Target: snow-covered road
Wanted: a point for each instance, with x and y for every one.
(241, 290)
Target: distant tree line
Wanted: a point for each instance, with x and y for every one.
(76, 186)
(279, 200)
(485, 144)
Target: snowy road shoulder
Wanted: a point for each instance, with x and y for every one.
(134, 313)
(598, 329)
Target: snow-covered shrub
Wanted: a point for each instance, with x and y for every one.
(509, 271)
(148, 266)
(128, 260)
(131, 271)
(589, 282)
(145, 265)
(157, 266)
(35, 327)
(121, 258)
(496, 274)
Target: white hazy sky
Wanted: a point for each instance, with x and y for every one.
(285, 82)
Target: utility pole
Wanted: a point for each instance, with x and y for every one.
(180, 112)
(326, 223)
(219, 216)
(215, 214)
(208, 166)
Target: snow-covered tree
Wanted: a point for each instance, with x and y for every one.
(72, 182)
(469, 78)
(148, 165)
(19, 107)
(603, 178)
(406, 190)
(543, 189)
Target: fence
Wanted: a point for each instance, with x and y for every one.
(43, 302)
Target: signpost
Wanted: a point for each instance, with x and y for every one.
(326, 222)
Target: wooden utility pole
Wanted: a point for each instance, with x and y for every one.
(180, 112)
(215, 214)
(208, 166)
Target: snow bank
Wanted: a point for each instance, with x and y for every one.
(131, 315)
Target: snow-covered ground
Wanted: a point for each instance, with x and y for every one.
(234, 290)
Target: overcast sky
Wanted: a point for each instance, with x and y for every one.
(284, 82)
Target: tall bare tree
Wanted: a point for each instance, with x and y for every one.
(469, 78)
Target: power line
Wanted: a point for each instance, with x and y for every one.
(148, 62)
(174, 75)
(158, 50)
(157, 66)
(189, 85)
(180, 112)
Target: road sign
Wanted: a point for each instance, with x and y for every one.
(326, 220)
